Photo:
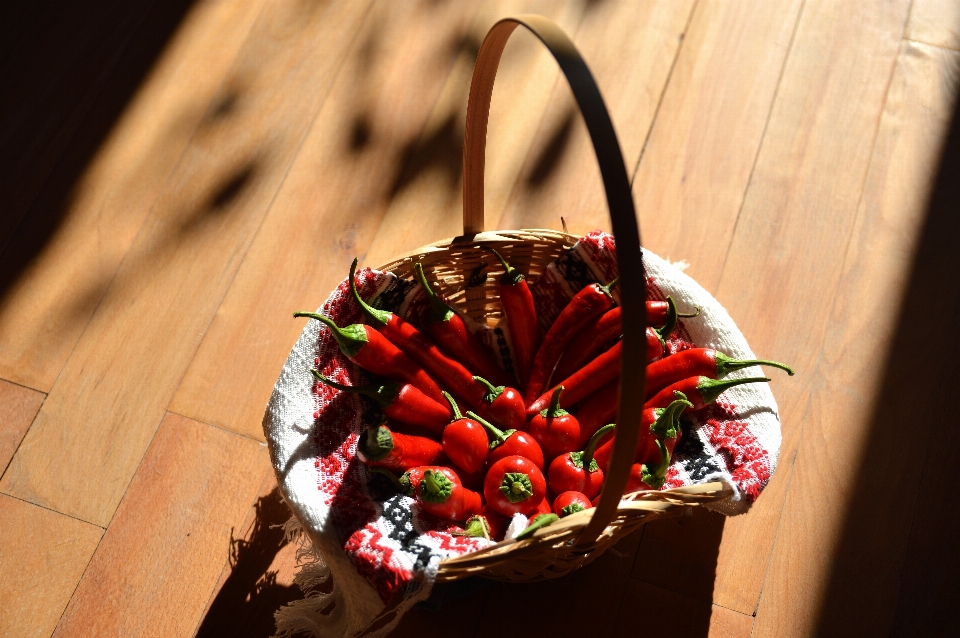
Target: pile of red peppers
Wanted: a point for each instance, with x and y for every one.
(475, 444)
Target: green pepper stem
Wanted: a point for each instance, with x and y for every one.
(350, 339)
(435, 487)
(439, 311)
(380, 317)
(499, 435)
(453, 405)
(542, 521)
(666, 423)
(476, 527)
(493, 393)
(511, 275)
(375, 443)
(610, 285)
(725, 364)
(710, 389)
(593, 442)
(554, 410)
(671, 322)
(695, 313)
(383, 395)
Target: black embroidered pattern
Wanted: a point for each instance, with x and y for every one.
(572, 268)
(401, 519)
(692, 455)
(393, 297)
(504, 351)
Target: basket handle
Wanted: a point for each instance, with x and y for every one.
(633, 289)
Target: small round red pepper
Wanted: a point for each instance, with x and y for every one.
(379, 447)
(571, 502)
(440, 493)
(402, 402)
(556, 430)
(514, 485)
(510, 443)
(502, 405)
(465, 441)
(578, 471)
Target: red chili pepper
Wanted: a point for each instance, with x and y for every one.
(465, 441)
(701, 391)
(379, 447)
(651, 420)
(409, 481)
(413, 343)
(440, 493)
(514, 485)
(585, 306)
(477, 526)
(584, 381)
(521, 314)
(510, 443)
(597, 410)
(666, 432)
(544, 507)
(498, 522)
(696, 362)
(556, 430)
(635, 481)
(598, 335)
(373, 352)
(657, 312)
(453, 337)
(578, 471)
(402, 402)
(653, 476)
(502, 405)
(571, 502)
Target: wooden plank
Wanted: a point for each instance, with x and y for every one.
(935, 22)
(457, 612)
(429, 205)
(785, 259)
(65, 253)
(161, 556)
(110, 397)
(42, 556)
(330, 206)
(690, 185)
(579, 604)
(18, 407)
(651, 610)
(51, 78)
(874, 407)
(258, 576)
(630, 49)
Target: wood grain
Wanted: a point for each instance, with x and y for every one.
(873, 379)
(785, 258)
(42, 556)
(330, 205)
(690, 185)
(18, 407)
(60, 274)
(429, 206)
(651, 610)
(170, 535)
(935, 22)
(630, 49)
(110, 397)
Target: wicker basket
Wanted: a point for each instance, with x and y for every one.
(578, 539)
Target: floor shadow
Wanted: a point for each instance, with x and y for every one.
(250, 595)
(893, 544)
(67, 72)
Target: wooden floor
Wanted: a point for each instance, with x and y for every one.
(177, 177)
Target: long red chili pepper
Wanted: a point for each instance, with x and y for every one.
(578, 471)
(419, 348)
(379, 447)
(556, 430)
(402, 402)
(440, 493)
(465, 441)
(697, 362)
(571, 502)
(651, 420)
(514, 485)
(665, 431)
(451, 334)
(584, 381)
(510, 443)
(701, 391)
(585, 306)
(521, 314)
(502, 405)
(373, 352)
(597, 410)
(657, 312)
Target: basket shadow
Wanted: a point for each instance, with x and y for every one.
(258, 579)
